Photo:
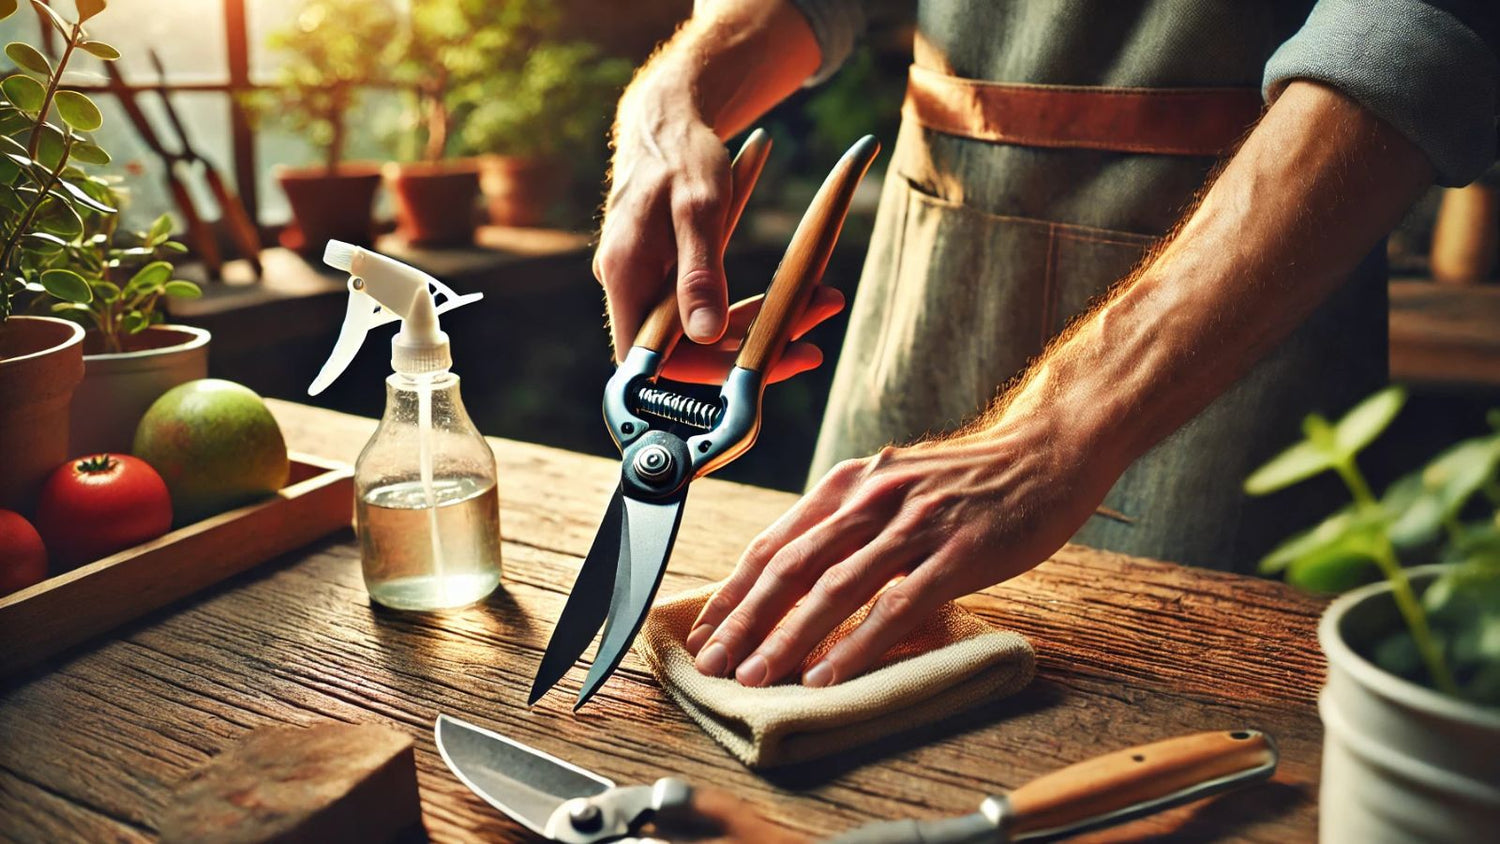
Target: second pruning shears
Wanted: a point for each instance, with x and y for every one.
(667, 439)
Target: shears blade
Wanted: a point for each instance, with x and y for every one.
(588, 602)
(648, 532)
(526, 784)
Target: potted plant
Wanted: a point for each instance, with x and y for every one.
(1411, 707)
(332, 48)
(446, 44)
(130, 357)
(535, 125)
(45, 200)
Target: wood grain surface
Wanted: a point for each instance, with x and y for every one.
(1129, 651)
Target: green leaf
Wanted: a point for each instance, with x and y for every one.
(1368, 419)
(106, 290)
(1297, 463)
(1321, 434)
(161, 229)
(1456, 474)
(88, 8)
(59, 218)
(148, 277)
(24, 92)
(78, 111)
(90, 153)
(57, 20)
(51, 14)
(45, 243)
(100, 50)
(67, 286)
(174, 246)
(81, 197)
(29, 58)
(182, 289)
(1416, 514)
(135, 322)
(1337, 567)
(7, 8)
(52, 149)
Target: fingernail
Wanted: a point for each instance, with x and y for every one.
(699, 635)
(753, 671)
(702, 324)
(818, 676)
(714, 661)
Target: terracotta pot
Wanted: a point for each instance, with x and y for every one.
(435, 201)
(1401, 762)
(520, 191)
(118, 388)
(41, 362)
(329, 206)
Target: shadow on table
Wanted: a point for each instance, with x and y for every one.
(1227, 816)
(1040, 694)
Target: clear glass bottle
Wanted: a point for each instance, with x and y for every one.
(426, 507)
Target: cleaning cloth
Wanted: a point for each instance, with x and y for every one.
(950, 663)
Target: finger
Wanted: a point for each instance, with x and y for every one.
(784, 580)
(825, 302)
(840, 591)
(709, 364)
(895, 614)
(819, 503)
(700, 210)
(631, 268)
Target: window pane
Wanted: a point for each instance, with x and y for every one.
(188, 35)
(143, 173)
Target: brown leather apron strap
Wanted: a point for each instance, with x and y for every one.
(1165, 121)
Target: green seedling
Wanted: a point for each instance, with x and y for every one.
(1445, 511)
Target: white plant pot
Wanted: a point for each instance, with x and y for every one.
(1401, 762)
(117, 389)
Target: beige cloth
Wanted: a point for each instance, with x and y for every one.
(954, 661)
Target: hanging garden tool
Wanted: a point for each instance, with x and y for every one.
(667, 439)
(199, 233)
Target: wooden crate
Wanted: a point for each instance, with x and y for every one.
(60, 612)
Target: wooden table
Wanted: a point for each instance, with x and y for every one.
(1129, 651)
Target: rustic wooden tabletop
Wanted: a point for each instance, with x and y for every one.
(1129, 651)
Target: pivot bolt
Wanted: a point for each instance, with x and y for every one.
(653, 463)
(585, 816)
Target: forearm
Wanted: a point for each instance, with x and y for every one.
(1311, 191)
(728, 65)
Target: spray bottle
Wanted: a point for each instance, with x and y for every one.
(426, 507)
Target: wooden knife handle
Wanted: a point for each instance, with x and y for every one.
(1123, 780)
(806, 257)
(663, 326)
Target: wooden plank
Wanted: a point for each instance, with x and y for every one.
(1444, 334)
(1129, 651)
(76, 606)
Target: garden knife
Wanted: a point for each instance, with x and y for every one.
(567, 803)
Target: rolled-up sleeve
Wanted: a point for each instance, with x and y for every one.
(838, 25)
(1420, 68)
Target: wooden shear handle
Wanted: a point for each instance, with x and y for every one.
(663, 326)
(806, 257)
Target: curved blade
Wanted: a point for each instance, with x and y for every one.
(524, 783)
(358, 320)
(587, 604)
(649, 530)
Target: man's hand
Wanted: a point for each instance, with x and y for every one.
(1313, 189)
(667, 211)
(952, 517)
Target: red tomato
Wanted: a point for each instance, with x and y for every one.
(95, 506)
(23, 560)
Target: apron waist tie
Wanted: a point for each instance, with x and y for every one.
(1164, 121)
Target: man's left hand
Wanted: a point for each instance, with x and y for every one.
(952, 516)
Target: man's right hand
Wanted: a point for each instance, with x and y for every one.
(668, 206)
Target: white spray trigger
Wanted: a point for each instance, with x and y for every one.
(382, 279)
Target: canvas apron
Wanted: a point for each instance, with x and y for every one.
(984, 249)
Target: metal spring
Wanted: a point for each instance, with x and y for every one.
(677, 407)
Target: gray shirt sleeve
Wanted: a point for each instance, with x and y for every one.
(1419, 68)
(837, 24)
